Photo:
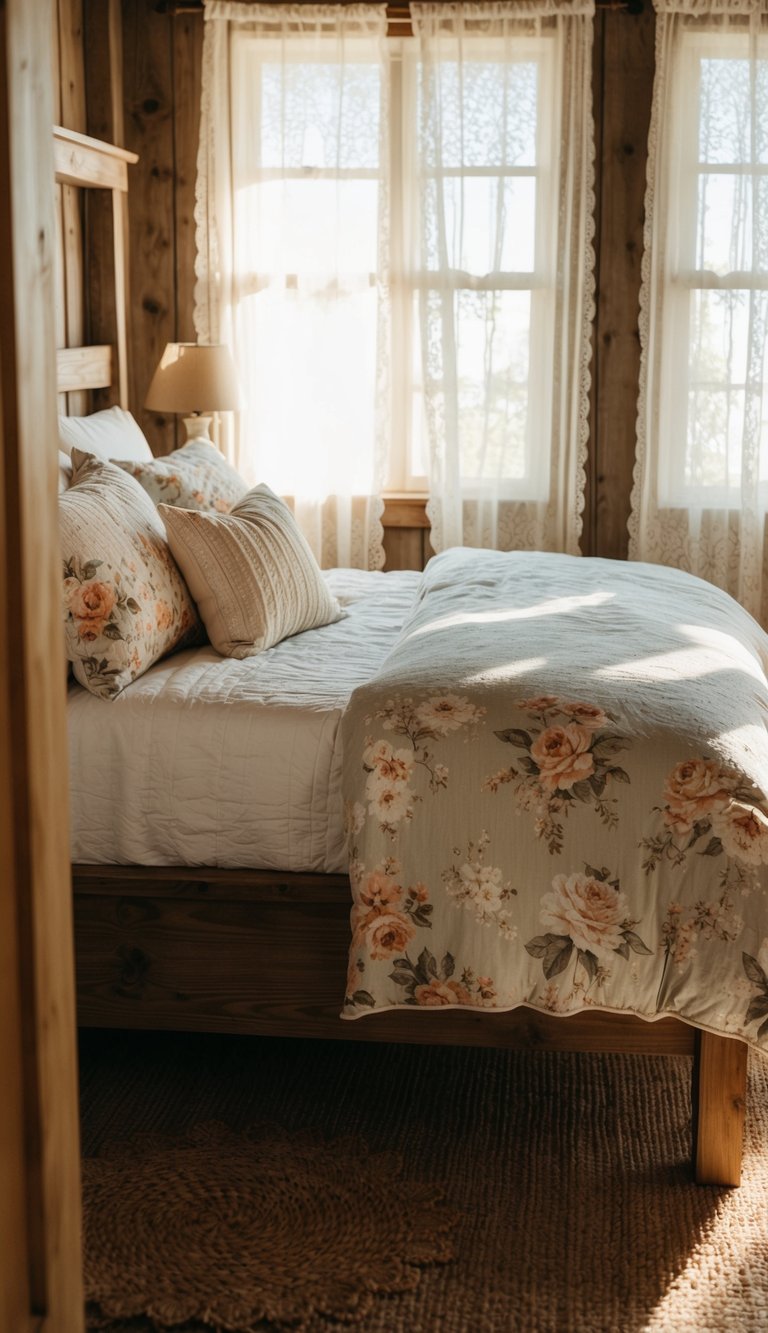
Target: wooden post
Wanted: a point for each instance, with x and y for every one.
(718, 1104)
(40, 1249)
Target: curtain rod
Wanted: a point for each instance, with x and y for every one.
(396, 13)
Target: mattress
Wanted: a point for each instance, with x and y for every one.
(208, 761)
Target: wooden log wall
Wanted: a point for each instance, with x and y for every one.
(160, 71)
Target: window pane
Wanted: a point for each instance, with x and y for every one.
(482, 224)
(492, 338)
(488, 113)
(311, 389)
(299, 114)
(308, 226)
(727, 131)
(724, 241)
(727, 351)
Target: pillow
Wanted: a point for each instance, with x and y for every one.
(110, 434)
(193, 477)
(65, 471)
(251, 572)
(125, 602)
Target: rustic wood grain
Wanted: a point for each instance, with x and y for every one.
(79, 162)
(626, 63)
(79, 369)
(719, 1102)
(36, 873)
(404, 548)
(148, 88)
(187, 33)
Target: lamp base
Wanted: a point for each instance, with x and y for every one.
(198, 427)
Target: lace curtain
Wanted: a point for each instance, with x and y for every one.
(294, 126)
(505, 197)
(701, 477)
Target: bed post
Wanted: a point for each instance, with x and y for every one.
(718, 1099)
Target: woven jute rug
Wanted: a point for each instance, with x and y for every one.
(234, 1228)
(568, 1175)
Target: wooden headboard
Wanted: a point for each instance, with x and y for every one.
(84, 163)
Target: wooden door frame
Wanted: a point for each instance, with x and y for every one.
(41, 1269)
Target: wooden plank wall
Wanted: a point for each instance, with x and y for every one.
(161, 76)
(622, 84)
(157, 63)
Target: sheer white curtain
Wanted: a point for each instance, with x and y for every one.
(504, 266)
(701, 477)
(292, 233)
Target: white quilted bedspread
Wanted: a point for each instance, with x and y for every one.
(210, 761)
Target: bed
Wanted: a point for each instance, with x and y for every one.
(253, 936)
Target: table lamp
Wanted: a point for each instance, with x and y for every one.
(196, 379)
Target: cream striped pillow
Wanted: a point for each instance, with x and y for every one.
(251, 572)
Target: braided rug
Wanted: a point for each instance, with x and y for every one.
(236, 1228)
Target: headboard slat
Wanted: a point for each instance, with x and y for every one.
(80, 160)
(84, 368)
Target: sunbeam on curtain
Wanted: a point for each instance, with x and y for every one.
(504, 266)
(701, 477)
(292, 234)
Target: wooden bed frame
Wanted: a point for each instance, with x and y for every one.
(248, 951)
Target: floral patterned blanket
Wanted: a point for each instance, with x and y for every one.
(557, 795)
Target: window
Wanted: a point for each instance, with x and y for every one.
(701, 480)
(395, 240)
(481, 268)
(718, 275)
(309, 186)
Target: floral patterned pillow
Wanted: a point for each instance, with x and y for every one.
(125, 602)
(193, 477)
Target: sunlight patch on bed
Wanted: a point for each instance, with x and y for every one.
(685, 664)
(712, 650)
(506, 671)
(553, 607)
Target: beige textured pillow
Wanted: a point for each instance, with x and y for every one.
(125, 602)
(251, 572)
(196, 476)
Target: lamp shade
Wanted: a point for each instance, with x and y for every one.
(195, 377)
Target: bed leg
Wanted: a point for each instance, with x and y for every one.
(718, 1101)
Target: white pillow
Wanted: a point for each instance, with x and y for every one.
(251, 573)
(111, 434)
(65, 471)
